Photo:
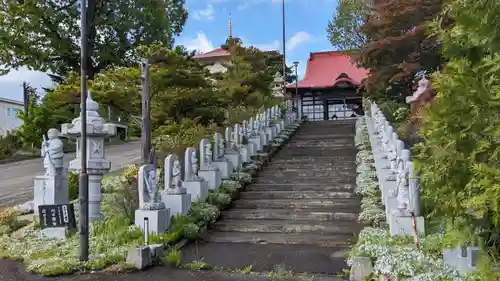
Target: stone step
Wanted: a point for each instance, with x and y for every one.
(328, 204)
(320, 159)
(303, 152)
(283, 226)
(330, 240)
(269, 257)
(322, 166)
(320, 181)
(307, 173)
(300, 187)
(274, 194)
(288, 214)
(327, 137)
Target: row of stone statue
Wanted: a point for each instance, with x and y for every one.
(219, 159)
(399, 166)
(401, 192)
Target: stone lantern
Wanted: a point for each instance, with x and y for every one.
(97, 165)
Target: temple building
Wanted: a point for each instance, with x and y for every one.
(329, 89)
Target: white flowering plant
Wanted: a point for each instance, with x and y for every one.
(372, 209)
(397, 256)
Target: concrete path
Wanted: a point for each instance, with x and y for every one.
(14, 271)
(299, 215)
(16, 179)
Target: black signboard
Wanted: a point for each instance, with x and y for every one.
(62, 215)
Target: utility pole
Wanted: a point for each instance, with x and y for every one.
(296, 64)
(84, 178)
(26, 98)
(284, 47)
(146, 124)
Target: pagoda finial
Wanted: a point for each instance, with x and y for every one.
(230, 27)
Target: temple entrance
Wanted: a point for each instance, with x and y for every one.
(340, 109)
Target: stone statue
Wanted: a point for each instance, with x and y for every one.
(52, 153)
(190, 165)
(208, 154)
(176, 174)
(148, 196)
(413, 190)
(194, 164)
(401, 191)
(173, 182)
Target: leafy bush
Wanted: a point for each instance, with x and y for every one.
(9, 145)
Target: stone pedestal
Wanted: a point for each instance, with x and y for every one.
(264, 139)
(58, 233)
(257, 141)
(404, 225)
(235, 158)
(177, 202)
(50, 190)
(464, 259)
(274, 131)
(95, 196)
(245, 154)
(225, 167)
(159, 220)
(212, 177)
(197, 189)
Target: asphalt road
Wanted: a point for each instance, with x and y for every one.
(16, 179)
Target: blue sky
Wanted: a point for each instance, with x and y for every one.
(256, 22)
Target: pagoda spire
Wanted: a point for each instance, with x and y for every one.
(230, 28)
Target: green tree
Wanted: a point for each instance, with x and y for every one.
(344, 29)
(459, 157)
(44, 34)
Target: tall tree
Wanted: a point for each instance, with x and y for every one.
(399, 44)
(44, 34)
(344, 29)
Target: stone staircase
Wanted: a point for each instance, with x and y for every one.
(301, 212)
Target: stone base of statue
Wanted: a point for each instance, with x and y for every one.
(282, 126)
(177, 200)
(274, 131)
(403, 225)
(264, 138)
(50, 190)
(158, 220)
(225, 167)
(235, 158)
(464, 259)
(244, 153)
(257, 143)
(211, 175)
(197, 189)
(252, 150)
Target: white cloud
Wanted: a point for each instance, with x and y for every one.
(204, 14)
(247, 3)
(297, 39)
(200, 43)
(273, 46)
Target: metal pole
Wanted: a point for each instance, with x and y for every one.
(84, 179)
(297, 89)
(146, 127)
(284, 47)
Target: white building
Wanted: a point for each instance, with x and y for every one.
(8, 115)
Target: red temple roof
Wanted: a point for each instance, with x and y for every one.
(324, 68)
(219, 52)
